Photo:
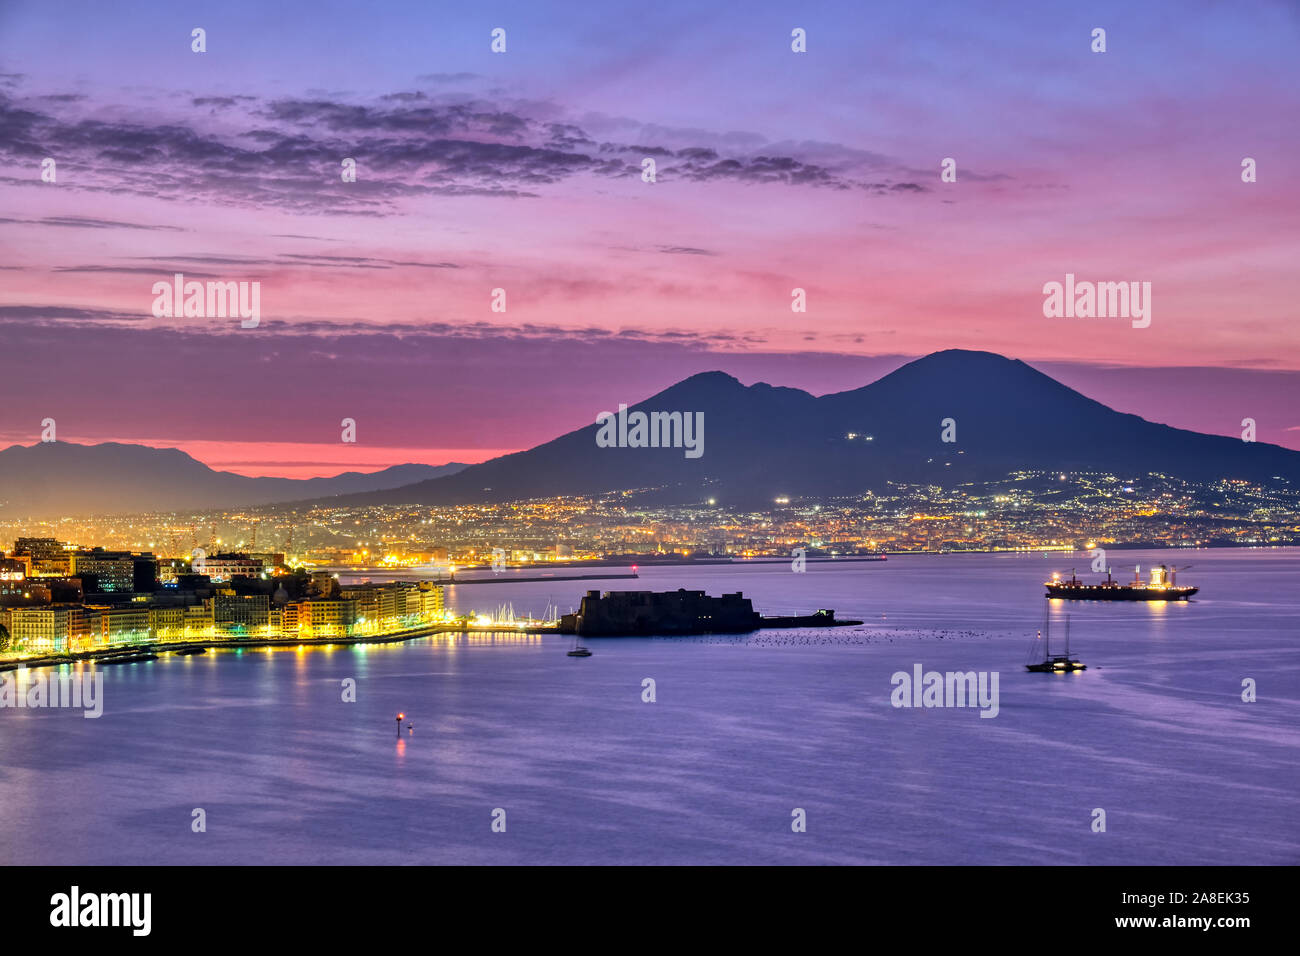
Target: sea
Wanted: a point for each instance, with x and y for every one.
(1180, 743)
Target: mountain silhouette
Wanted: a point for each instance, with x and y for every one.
(762, 441)
(64, 478)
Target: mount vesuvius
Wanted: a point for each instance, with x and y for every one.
(762, 441)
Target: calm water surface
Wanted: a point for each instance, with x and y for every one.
(744, 730)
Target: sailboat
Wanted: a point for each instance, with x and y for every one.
(1054, 663)
(578, 649)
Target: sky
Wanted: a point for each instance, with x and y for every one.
(522, 171)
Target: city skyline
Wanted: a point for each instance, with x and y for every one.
(522, 171)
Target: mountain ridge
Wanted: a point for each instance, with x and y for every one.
(764, 441)
(41, 479)
(761, 441)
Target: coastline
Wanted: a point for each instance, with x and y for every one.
(646, 562)
(163, 647)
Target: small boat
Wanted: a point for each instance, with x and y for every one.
(578, 650)
(1054, 663)
(187, 651)
(128, 658)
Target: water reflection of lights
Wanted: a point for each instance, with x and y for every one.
(479, 630)
(497, 637)
(445, 639)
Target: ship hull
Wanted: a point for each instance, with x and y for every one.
(1102, 592)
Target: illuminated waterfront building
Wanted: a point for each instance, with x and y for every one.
(39, 629)
(124, 625)
(198, 620)
(326, 617)
(240, 613)
(85, 625)
(289, 615)
(167, 623)
(431, 601)
(392, 606)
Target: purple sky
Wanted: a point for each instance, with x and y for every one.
(522, 170)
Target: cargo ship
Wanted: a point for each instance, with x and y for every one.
(1163, 586)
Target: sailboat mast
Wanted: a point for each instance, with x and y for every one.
(1047, 630)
